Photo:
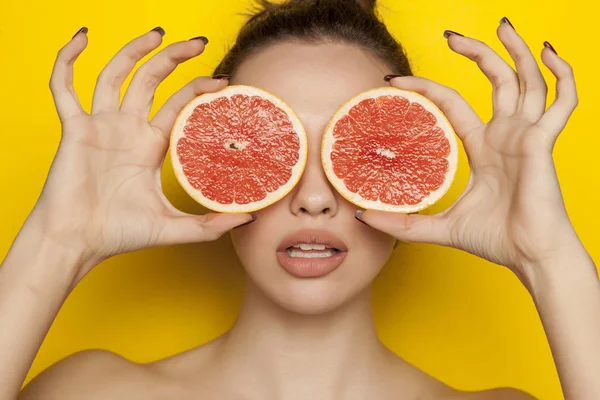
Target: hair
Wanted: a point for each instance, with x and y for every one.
(354, 22)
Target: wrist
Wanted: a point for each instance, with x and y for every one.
(44, 264)
(63, 235)
(569, 265)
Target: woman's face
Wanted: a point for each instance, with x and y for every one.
(315, 80)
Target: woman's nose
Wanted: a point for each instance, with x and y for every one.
(314, 195)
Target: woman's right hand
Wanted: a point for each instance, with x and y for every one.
(103, 194)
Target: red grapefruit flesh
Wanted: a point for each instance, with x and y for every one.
(390, 149)
(238, 150)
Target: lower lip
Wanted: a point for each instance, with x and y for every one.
(310, 267)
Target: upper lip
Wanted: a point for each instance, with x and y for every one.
(312, 236)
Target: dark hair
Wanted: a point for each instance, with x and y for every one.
(314, 21)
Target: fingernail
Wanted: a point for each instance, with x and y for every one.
(388, 78)
(159, 30)
(505, 20)
(247, 223)
(84, 30)
(220, 76)
(203, 38)
(448, 33)
(358, 216)
(548, 45)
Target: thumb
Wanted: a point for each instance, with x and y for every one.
(408, 227)
(189, 228)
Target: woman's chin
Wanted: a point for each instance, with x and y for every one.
(310, 296)
(311, 286)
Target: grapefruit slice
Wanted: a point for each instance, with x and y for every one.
(390, 149)
(238, 150)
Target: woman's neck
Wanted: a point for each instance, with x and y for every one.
(283, 354)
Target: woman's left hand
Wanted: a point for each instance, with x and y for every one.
(512, 211)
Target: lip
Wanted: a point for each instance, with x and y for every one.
(311, 267)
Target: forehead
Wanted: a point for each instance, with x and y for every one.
(314, 79)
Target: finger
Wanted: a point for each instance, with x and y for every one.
(61, 82)
(139, 96)
(107, 94)
(532, 100)
(409, 227)
(503, 78)
(165, 117)
(184, 228)
(460, 114)
(557, 115)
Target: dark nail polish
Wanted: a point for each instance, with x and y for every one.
(247, 223)
(548, 45)
(220, 76)
(203, 38)
(505, 20)
(159, 30)
(448, 33)
(388, 78)
(358, 216)
(84, 30)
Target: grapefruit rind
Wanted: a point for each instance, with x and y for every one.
(272, 197)
(354, 198)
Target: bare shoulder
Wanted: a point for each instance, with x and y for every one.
(90, 374)
(492, 394)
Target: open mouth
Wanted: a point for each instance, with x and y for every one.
(310, 253)
(311, 250)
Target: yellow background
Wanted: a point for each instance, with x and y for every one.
(461, 319)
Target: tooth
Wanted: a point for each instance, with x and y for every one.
(311, 246)
(301, 254)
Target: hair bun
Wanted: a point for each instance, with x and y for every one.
(367, 5)
(354, 22)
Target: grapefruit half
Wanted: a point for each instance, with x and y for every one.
(390, 149)
(238, 150)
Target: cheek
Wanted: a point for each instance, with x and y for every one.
(371, 248)
(257, 242)
(249, 242)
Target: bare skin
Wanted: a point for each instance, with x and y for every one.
(294, 339)
(198, 374)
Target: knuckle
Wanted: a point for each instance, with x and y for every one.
(447, 104)
(502, 82)
(569, 70)
(482, 46)
(131, 55)
(519, 55)
(138, 48)
(453, 93)
(574, 102)
(151, 81)
(54, 84)
(108, 79)
(60, 55)
(478, 57)
(535, 86)
(115, 81)
(149, 77)
(482, 51)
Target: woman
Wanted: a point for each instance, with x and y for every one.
(296, 338)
